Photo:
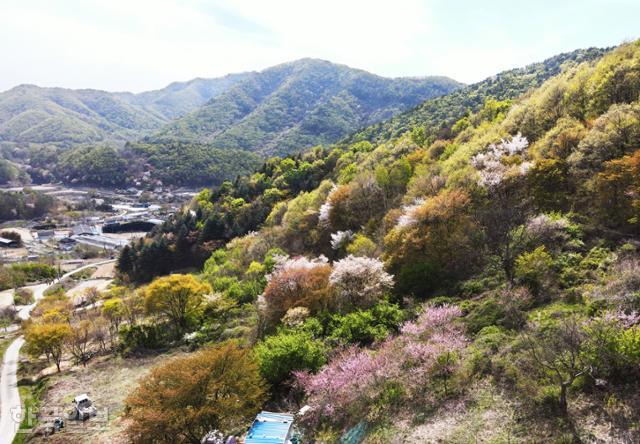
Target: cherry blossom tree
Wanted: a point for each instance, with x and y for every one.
(408, 217)
(355, 380)
(490, 165)
(324, 213)
(340, 239)
(360, 281)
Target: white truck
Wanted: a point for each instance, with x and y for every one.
(83, 408)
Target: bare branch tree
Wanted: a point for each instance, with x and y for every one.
(559, 353)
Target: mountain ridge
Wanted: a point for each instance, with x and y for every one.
(290, 104)
(65, 117)
(441, 111)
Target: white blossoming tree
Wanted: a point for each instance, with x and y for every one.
(506, 208)
(324, 213)
(359, 281)
(490, 166)
(408, 217)
(340, 239)
(284, 264)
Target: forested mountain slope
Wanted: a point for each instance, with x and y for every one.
(300, 104)
(438, 114)
(480, 286)
(30, 114)
(180, 98)
(76, 136)
(65, 117)
(304, 172)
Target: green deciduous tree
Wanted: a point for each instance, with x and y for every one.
(177, 297)
(47, 339)
(288, 351)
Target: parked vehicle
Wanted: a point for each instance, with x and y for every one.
(83, 408)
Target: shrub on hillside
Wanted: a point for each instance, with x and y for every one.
(506, 308)
(144, 337)
(218, 388)
(535, 270)
(361, 245)
(298, 282)
(288, 351)
(363, 327)
(613, 347)
(620, 288)
(23, 296)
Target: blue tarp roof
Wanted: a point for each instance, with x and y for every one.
(270, 428)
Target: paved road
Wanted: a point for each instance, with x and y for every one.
(6, 298)
(10, 408)
(38, 293)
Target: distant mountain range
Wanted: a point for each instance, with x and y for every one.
(281, 109)
(300, 104)
(65, 117)
(179, 98)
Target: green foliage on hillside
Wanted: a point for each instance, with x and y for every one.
(29, 114)
(510, 242)
(392, 176)
(98, 166)
(300, 104)
(180, 98)
(230, 210)
(184, 163)
(17, 275)
(433, 118)
(28, 204)
(171, 163)
(67, 117)
(8, 172)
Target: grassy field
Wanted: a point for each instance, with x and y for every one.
(4, 344)
(107, 380)
(31, 396)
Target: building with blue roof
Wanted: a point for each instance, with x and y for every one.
(270, 428)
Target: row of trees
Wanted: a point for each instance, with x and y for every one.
(57, 328)
(27, 204)
(17, 275)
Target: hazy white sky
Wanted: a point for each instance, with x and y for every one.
(137, 45)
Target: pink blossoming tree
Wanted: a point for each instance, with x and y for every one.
(356, 379)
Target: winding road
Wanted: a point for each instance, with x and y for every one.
(10, 407)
